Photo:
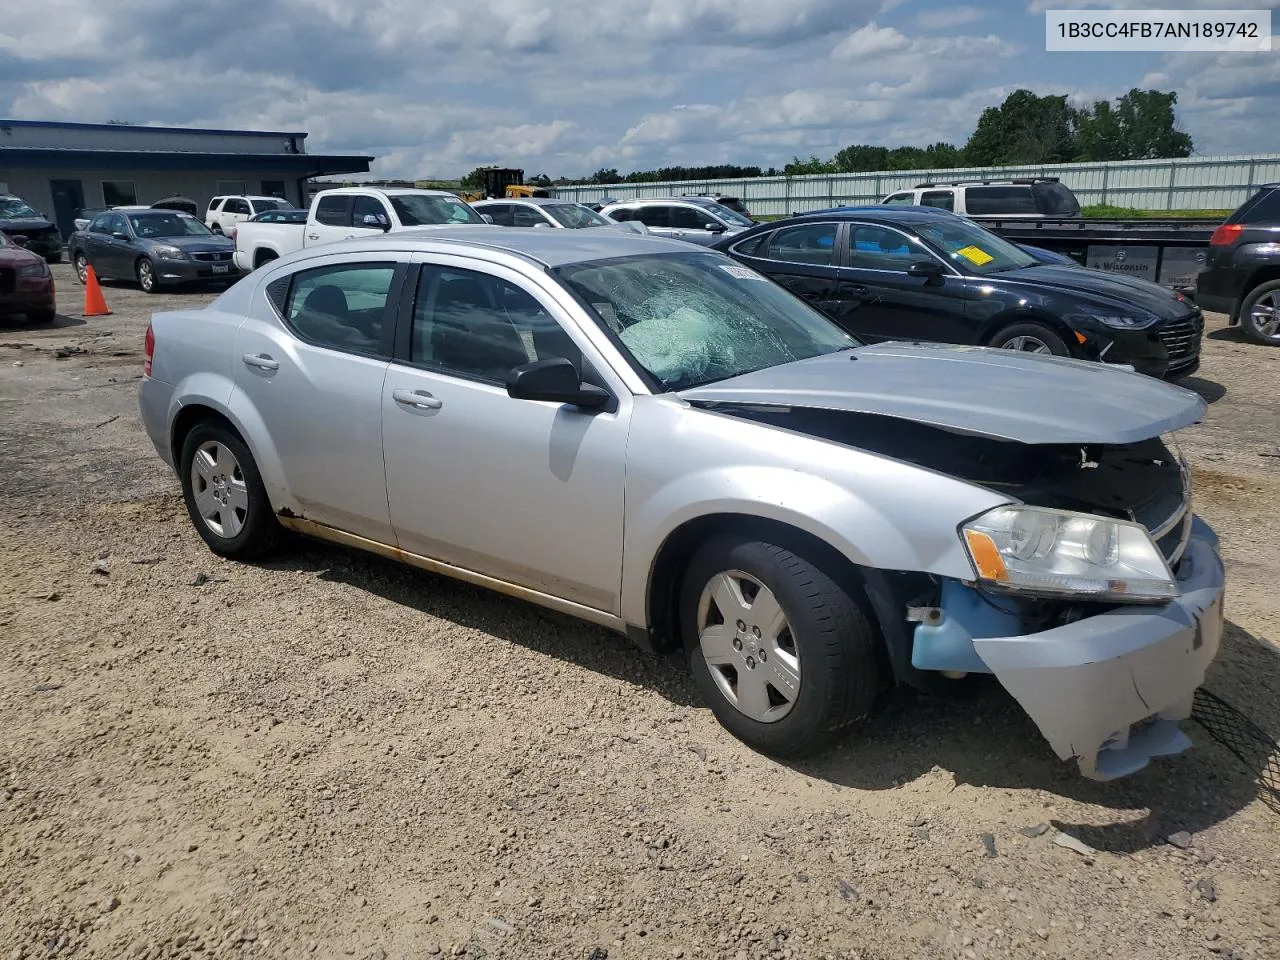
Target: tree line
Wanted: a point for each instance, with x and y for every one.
(1024, 129)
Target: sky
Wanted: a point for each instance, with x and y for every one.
(434, 88)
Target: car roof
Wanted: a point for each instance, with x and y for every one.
(391, 191)
(696, 201)
(879, 211)
(529, 201)
(552, 248)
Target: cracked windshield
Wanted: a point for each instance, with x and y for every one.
(691, 319)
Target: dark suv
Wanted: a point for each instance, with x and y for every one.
(913, 273)
(1241, 276)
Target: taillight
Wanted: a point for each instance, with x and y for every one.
(1226, 234)
(148, 351)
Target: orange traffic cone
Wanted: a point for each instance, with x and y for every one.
(95, 305)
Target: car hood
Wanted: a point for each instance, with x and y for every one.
(974, 390)
(195, 244)
(1100, 286)
(12, 225)
(18, 257)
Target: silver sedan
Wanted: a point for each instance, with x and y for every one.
(659, 440)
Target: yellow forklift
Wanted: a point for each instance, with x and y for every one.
(503, 182)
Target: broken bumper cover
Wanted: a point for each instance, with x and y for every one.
(1110, 690)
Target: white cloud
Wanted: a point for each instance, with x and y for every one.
(946, 18)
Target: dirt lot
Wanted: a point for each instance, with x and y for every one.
(331, 756)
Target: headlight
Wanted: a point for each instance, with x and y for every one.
(1117, 321)
(40, 269)
(169, 253)
(1059, 553)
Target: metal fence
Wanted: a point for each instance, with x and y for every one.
(1193, 183)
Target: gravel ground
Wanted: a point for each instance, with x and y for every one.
(331, 756)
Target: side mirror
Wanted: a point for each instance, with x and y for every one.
(120, 235)
(928, 270)
(375, 222)
(555, 380)
(487, 217)
(714, 227)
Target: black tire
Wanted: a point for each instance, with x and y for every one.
(263, 258)
(146, 273)
(42, 316)
(1029, 330)
(839, 652)
(1269, 295)
(81, 262)
(54, 257)
(260, 533)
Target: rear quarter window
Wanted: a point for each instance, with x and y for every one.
(1262, 207)
(1056, 200)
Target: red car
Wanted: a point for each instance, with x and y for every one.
(26, 285)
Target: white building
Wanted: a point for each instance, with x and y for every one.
(62, 168)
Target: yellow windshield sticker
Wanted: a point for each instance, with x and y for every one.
(975, 255)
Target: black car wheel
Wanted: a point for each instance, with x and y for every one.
(54, 257)
(782, 652)
(42, 316)
(1260, 314)
(1030, 337)
(147, 276)
(82, 267)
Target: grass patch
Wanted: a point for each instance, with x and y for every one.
(1105, 211)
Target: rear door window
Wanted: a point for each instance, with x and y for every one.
(811, 243)
(341, 306)
(236, 205)
(999, 201)
(500, 212)
(653, 216)
(334, 211)
(942, 199)
(525, 217)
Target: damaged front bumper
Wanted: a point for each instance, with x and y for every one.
(1110, 690)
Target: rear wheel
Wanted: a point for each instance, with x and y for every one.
(224, 493)
(1030, 337)
(263, 258)
(1260, 314)
(41, 316)
(783, 654)
(82, 267)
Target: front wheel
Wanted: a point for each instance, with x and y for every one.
(784, 655)
(82, 267)
(147, 276)
(1260, 314)
(224, 493)
(1030, 337)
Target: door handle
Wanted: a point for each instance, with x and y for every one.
(261, 361)
(313, 236)
(858, 289)
(418, 399)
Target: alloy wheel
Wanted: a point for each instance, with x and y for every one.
(1026, 344)
(1266, 315)
(82, 267)
(146, 275)
(221, 495)
(746, 640)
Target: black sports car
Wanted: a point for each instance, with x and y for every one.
(918, 273)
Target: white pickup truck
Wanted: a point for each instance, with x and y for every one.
(346, 213)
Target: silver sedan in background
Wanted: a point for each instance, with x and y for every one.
(656, 439)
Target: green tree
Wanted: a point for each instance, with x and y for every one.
(799, 168)
(1098, 133)
(1148, 126)
(605, 175)
(860, 157)
(1025, 128)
